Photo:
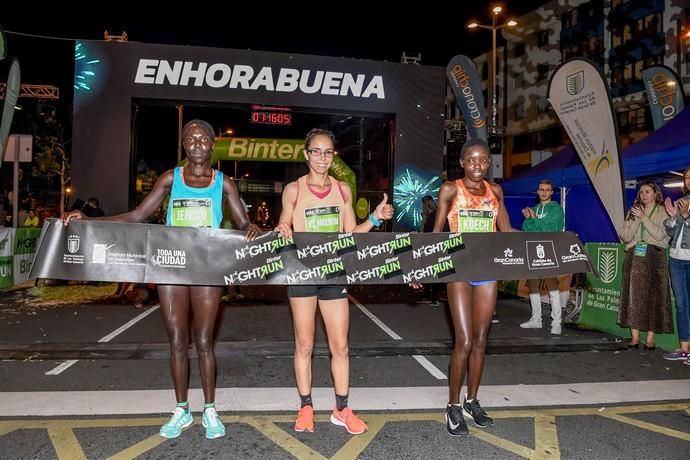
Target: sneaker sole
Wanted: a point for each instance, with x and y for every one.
(213, 436)
(303, 430)
(339, 422)
(468, 415)
(454, 434)
(182, 428)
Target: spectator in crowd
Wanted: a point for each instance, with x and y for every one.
(546, 216)
(32, 219)
(645, 296)
(92, 209)
(430, 294)
(678, 227)
(22, 216)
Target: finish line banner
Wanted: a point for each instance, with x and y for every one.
(109, 251)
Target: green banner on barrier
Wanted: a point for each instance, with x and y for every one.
(6, 240)
(602, 295)
(17, 248)
(6, 279)
(25, 239)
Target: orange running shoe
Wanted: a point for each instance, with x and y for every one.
(305, 420)
(347, 418)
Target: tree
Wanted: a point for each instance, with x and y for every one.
(52, 161)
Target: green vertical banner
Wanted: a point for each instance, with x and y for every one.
(25, 239)
(6, 238)
(602, 295)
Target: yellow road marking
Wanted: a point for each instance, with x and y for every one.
(291, 444)
(358, 443)
(65, 443)
(502, 443)
(649, 426)
(140, 448)
(546, 437)
(546, 443)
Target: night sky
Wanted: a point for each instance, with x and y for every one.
(339, 29)
(350, 30)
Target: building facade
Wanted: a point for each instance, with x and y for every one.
(620, 36)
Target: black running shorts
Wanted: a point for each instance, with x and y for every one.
(322, 292)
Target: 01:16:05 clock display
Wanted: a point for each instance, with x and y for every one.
(273, 118)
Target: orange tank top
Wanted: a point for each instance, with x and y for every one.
(472, 213)
(318, 212)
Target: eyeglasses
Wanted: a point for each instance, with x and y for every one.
(321, 153)
(545, 190)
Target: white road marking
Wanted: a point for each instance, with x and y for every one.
(425, 363)
(67, 364)
(62, 403)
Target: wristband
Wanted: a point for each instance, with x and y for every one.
(374, 221)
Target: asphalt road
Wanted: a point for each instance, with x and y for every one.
(598, 402)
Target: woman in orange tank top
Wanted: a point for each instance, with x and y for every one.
(318, 202)
(470, 204)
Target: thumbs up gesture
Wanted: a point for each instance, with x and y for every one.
(384, 210)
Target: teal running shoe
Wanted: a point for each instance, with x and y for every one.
(212, 423)
(180, 420)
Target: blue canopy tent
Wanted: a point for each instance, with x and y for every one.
(664, 150)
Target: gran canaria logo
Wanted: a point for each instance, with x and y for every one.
(508, 258)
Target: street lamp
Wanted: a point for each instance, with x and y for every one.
(473, 24)
(68, 194)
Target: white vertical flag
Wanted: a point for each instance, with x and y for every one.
(580, 97)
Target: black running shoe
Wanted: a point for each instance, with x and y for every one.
(473, 410)
(455, 423)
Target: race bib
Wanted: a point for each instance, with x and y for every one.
(191, 212)
(641, 249)
(323, 219)
(475, 221)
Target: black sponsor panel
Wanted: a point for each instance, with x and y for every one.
(105, 251)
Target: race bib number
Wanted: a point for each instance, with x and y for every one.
(323, 219)
(475, 221)
(191, 212)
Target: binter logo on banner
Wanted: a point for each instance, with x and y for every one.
(580, 97)
(108, 251)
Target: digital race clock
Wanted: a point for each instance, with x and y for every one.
(270, 116)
